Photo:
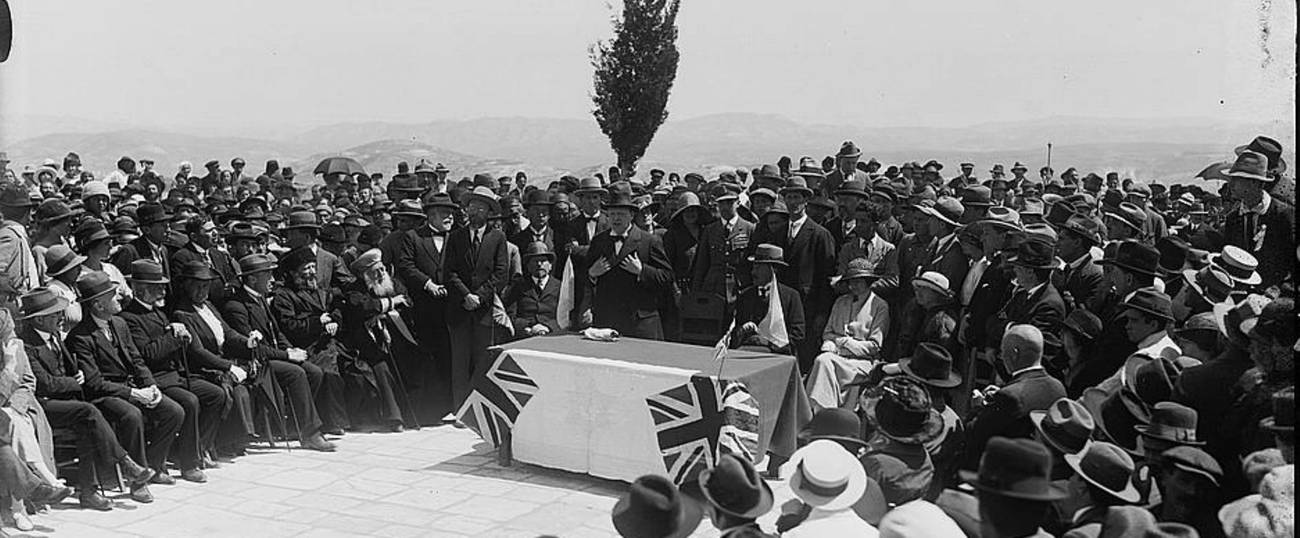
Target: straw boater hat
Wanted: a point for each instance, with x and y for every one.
(934, 281)
(1239, 264)
(824, 475)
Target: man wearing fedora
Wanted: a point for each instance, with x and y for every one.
(945, 255)
(59, 382)
(301, 231)
(165, 348)
(204, 236)
(578, 233)
(629, 271)
(19, 264)
(533, 298)
(1260, 223)
(248, 312)
(653, 507)
(846, 168)
(736, 496)
(418, 263)
(1127, 266)
(1013, 485)
(753, 303)
(1102, 477)
(1082, 282)
(1034, 300)
(155, 223)
(810, 254)
(537, 206)
(119, 383)
(476, 271)
(1029, 388)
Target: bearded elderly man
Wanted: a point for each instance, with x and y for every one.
(312, 324)
(371, 323)
(163, 346)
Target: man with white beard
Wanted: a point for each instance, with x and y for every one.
(370, 323)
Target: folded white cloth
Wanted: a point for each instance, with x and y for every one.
(600, 335)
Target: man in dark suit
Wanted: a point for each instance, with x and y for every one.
(752, 305)
(882, 201)
(419, 269)
(301, 231)
(533, 298)
(1006, 410)
(810, 254)
(119, 383)
(59, 381)
(848, 197)
(945, 255)
(203, 234)
(629, 270)
(476, 270)
(163, 346)
(1261, 224)
(407, 216)
(1035, 300)
(1082, 279)
(537, 204)
(154, 221)
(249, 313)
(589, 222)
(846, 168)
(311, 324)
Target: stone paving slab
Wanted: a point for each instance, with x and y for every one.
(434, 482)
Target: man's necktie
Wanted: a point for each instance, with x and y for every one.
(1251, 222)
(474, 241)
(793, 232)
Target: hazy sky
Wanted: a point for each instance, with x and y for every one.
(920, 62)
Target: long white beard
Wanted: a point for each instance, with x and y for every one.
(383, 287)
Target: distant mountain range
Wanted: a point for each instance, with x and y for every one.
(1164, 150)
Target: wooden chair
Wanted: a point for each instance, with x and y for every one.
(703, 318)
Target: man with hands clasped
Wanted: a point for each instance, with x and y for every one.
(629, 270)
(476, 270)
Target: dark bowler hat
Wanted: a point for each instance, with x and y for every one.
(295, 259)
(1283, 419)
(537, 249)
(977, 196)
(255, 263)
(147, 271)
(736, 488)
(836, 424)
(1152, 302)
(1036, 252)
(769, 254)
(1066, 425)
(410, 208)
(195, 270)
(152, 214)
(1083, 227)
(1060, 213)
(1173, 254)
(904, 412)
(1138, 522)
(537, 198)
(931, 364)
(41, 302)
(848, 150)
(1083, 323)
(302, 219)
(53, 210)
(1172, 423)
(60, 259)
(1015, 468)
(93, 285)
(436, 200)
(622, 200)
(1250, 165)
(1240, 265)
(1134, 256)
(797, 184)
(654, 508)
(1271, 149)
(589, 185)
(1107, 468)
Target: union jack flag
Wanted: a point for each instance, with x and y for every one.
(697, 422)
(496, 399)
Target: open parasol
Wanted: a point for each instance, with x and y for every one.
(339, 165)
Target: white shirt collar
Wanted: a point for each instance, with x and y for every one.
(796, 225)
(1023, 370)
(731, 223)
(252, 291)
(1262, 207)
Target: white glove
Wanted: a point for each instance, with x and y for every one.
(238, 373)
(325, 319)
(331, 328)
(254, 337)
(297, 355)
(179, 331)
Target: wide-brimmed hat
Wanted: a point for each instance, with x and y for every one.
(146, 271)
(1082, 322)
(848, 149)
(1116, 414)
(654, 508)
(934, 280)
(1240, 265)
(1172, 423)
(860, 268)
(904, 412)
(302, 219)
(1015, 468)
(1036, 252)
(1138, 522)
(1003, 218)
(15, 196)
(977, 196)
(92, 285)
(1066, 425)
(60, 259)
(946, 209)
(1060, 213)
(931, 364)
(256, 263)
(1150, 301)
(1173, 254)
(152, 213)
(1133, 256)
(769, 254)
(836, 424)
(1212, 283)
(853, 187)
(40, 302)
(733, 486)
(797, 184)
(824, 475)
(195, 270)
(622, 200)
(1083, 227)
(1108, 468)
(537, 249)
(1250, 165)
(885, 191)
(53, 210)
(1283, 419)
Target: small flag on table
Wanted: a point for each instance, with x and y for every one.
(564, 308)
(772, 327)
(720, 350)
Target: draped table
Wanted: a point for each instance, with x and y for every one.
(623, 409)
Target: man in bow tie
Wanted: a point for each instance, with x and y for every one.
(629, 270)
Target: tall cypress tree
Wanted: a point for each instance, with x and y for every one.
(634, 75)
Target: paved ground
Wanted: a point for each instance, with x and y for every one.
(433, 482)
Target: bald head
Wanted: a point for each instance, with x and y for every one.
(1022, 347)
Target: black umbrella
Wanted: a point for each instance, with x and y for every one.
(339, 165)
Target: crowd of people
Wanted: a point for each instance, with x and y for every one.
(986, 354)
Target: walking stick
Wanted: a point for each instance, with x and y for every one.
(401, 381)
